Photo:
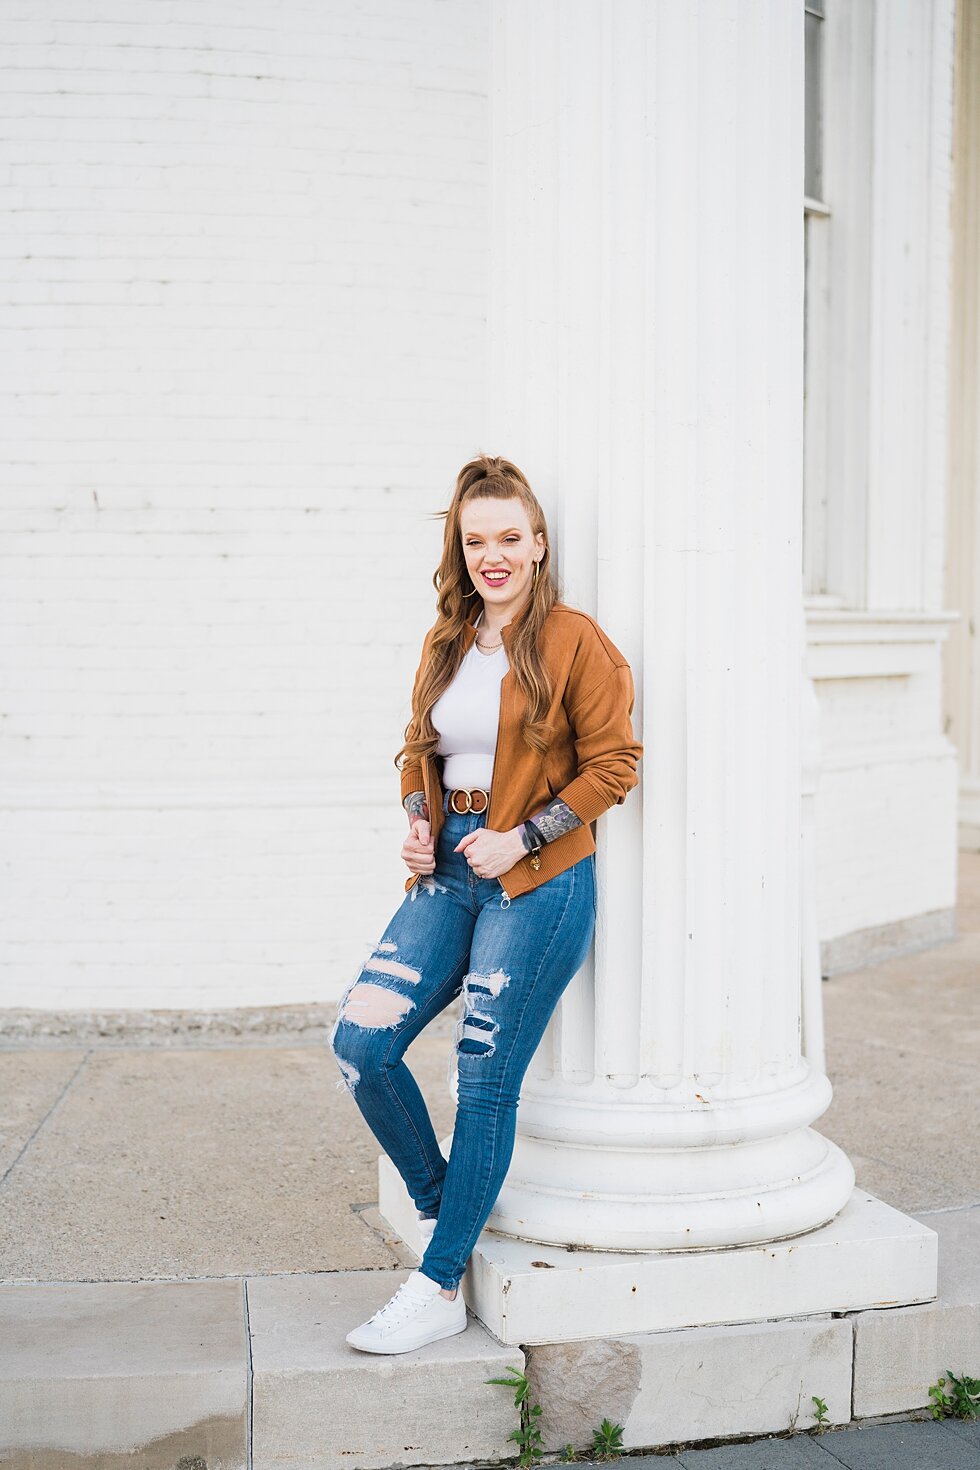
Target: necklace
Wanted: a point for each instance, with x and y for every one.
(490, 647)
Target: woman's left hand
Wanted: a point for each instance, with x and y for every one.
(491, 853)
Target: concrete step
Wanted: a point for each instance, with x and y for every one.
(153, 1374)
(91, 1373)
(318, 1403)
(232, 1373)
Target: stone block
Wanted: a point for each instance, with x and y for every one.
(899, 1353)
(93, 1374)
(703, 1383)
(319, 1403)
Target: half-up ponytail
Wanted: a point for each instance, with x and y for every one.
(488, 477)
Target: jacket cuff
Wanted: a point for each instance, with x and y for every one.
(585, 800)
(411, 780)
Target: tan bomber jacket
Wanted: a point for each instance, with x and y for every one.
(591, 763)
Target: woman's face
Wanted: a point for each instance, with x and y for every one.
(496, 536)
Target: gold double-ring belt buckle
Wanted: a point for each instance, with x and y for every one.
(469, 794)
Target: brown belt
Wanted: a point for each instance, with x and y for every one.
(469, 792)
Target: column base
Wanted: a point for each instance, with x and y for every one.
(624, 1173)
(565, 1193)
(870, 1255)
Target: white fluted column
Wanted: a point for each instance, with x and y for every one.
(646, 332)
(646, 373)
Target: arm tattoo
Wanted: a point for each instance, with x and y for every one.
(416, 805)
(553, 821)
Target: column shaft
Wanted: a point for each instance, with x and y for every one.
(646, 371)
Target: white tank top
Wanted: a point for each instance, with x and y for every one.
(466, 716)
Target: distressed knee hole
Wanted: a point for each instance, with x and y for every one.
(375, 1006)
(393, 967)
(491, 984)
(475, 1030)
(477, 1033)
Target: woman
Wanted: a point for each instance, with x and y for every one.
(520, 737)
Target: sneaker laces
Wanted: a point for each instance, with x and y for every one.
(404, 1304)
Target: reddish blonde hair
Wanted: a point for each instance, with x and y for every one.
(492, 478)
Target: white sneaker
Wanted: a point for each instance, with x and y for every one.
(417, 1313)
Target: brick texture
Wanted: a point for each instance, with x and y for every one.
(244, 274)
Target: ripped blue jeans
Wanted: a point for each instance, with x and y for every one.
(511, 959)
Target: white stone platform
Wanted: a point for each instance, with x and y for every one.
(870, 1255)
(758, 1378)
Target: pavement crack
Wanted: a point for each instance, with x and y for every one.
(47, 1116)
(830, 1453)
(248, 1379)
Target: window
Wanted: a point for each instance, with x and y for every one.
(813, 104)
(816, 223)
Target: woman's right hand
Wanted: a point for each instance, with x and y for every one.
(418, 851)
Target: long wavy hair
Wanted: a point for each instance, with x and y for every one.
(486, 477)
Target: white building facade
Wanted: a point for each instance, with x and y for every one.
(269, 281)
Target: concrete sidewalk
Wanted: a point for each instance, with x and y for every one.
(213, 1169)
(918, 1446)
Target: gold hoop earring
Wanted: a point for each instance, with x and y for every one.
(471, 594)
(537, 572)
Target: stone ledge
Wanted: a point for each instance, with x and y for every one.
(291, 1025)
(899, 1353)
(253, 1026)
(870, 1255)
(863, 947)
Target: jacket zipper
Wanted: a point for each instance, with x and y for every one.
(411, 882)
(493, 767)
(535, 860)
(428, 802)
(504, 895)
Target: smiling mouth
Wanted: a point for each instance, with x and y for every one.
(495, 580)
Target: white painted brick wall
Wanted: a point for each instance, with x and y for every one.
(243, 282)
(244, 272)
